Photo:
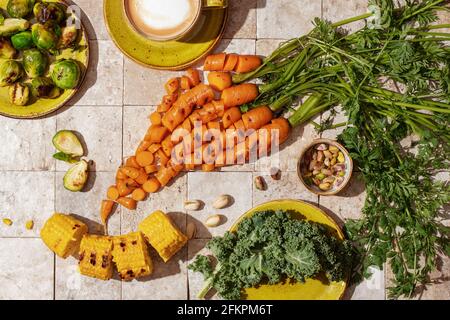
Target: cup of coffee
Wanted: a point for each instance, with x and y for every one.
(165, 20)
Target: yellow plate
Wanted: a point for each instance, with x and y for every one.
(312, 289)
(169, 55)
(43, 107)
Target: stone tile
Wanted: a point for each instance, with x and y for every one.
(170, 200)
(92, 16)
(265, 47)
(101, 129)
(86, 205)
(26, 196)
(334, 11)
(168, 281)
(135, 125)
(240, 46)
(370, 289)
(286, 19)
(195, 247)
(71, 285)
(349, 203)
(103, 85)
(288, 187)
(207, 187)
(27, 144)
(26, 270)
(241, 20)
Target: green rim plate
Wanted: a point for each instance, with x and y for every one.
(170, 55)
(43, 107)
(312, 289)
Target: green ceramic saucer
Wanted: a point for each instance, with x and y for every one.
(170, 55)
(43, 107)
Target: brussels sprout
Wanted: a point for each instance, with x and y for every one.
(6, 49)
(67, 142)
(66, 74)
(69, 35)
(12, 26)
(44, 88)
(20, 8)
(2, 18)
(45, 36)
(10, 72)
(22, 40)
(34, 62)
(76, 177)
(19, 94)
(49, 11)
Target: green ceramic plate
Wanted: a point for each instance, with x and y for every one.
(45, 106)
(170, 55)
(312, 289)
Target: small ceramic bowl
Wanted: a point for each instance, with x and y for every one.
(306, 158)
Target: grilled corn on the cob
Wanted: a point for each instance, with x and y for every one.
(96, 257)
(163, 234)
(62, 234)
(130, 254)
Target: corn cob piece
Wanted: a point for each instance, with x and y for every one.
(163, 234)
(96, 257)
(130, 254)
(62, 234)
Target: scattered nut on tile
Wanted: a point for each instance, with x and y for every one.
(275, 173)
(260, 183)
(222, 202)
(193, 205)
(8, 222)
(213, 221)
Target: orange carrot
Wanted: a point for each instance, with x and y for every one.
(231, 116)
(152, 185)
(164, 175)
(128, 203)
(151, 169)
(142, 178)
(123, 189)
(132, 163)
(106, 210)
(177, 167)
(172, 85)
(214, 125)
(231, 62)
(239, 95)
(138, 194)
(143, 146)
(131, 172)
(219, 81)
(186, 125)
(215, 62)
(154, 147)
(145, 158)
(131, 183)
(247, 63)
(185, 83)
(194, 76)
(155, 118)
(167, 102)
(161, 158)
(121, 175)
(257, 118)
(208, 167)
(156, 134)
(219, 107)
(113, 193)
(167, 146)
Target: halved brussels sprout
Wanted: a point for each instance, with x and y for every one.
(34, 62)
(45, 36)
(10, 72)
(69, 36)
(67, 142)
(6, 49)
(22, 40)
(76, 178)
(44, 88)
(20, 8)
(19, 94)
(12, 26)
(66, 74)
(49, 11)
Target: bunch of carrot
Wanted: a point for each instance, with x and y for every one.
(191, 128)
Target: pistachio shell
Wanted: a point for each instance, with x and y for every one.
(222, 202)
(213, 221)
(194, 205)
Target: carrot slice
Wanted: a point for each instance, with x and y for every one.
(247, 63)
(219, 108)
(131, 172)
(138, 194)
(131, 183)
(151, 169)
(123, 189)
(231, 116)
(128, 203)
(164, 175)
(231, 62)
(257, 118)
(156, 134)
(154, 147)
(194, 76)
(142, 178)
(143, 146)
(215, 62)
(240, 95)
(185, 83)
(152, 185)
(121, 175)
(113, 193)
(219, 81)
(132, 163)
(155, 118)
(172, 85)
(145, 158)
(161, 158)
(208, 167)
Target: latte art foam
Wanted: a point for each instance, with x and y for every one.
(162, 18)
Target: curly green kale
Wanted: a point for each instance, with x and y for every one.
(269, 247)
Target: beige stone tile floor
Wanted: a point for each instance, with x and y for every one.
(111, 113)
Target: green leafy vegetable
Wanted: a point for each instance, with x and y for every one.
(269, 247)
